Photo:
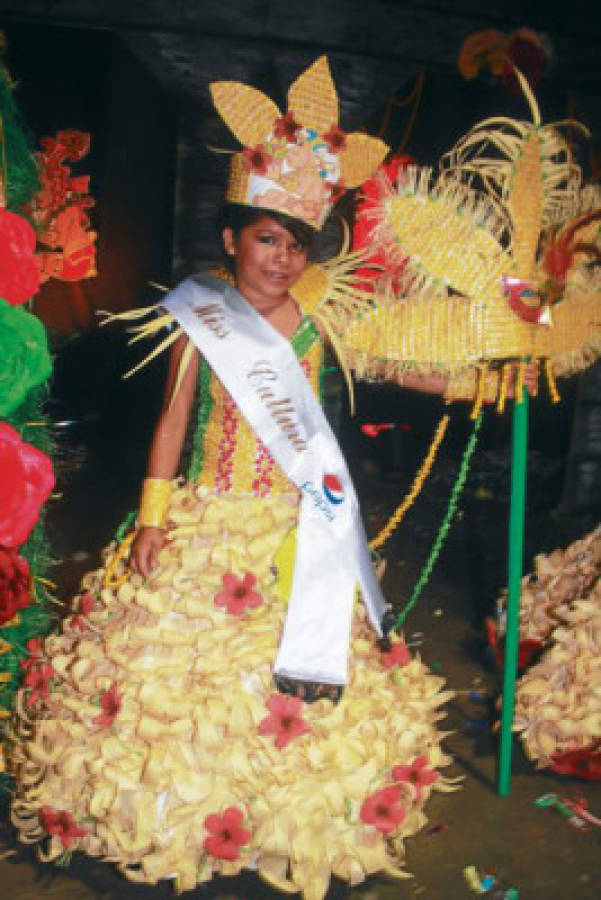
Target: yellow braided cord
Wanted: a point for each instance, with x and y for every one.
(154, 502)
(551, 383)
(519, 382)
(110, 580)
(503, 388)
(416, 487)
(479, 395)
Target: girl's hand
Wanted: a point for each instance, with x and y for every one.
(144, 555)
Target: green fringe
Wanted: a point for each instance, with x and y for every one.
(21, 166)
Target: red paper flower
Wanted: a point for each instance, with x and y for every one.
(286, 127)
(15, 584)
(226, 834)
(111, 706)
(417, 774)
(383, 809)
(26, 479)
(60, 823)
(257, 159)
(335, 139)
(398, 655)
(238, 593)
(284, 719)
(19, 276)
(38, 679)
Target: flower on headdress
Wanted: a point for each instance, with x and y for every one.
(257, 159)
(34, 648)
(38, 680)
(284, 719)
(26, 479)
(482, 49)
(226, 834)
(24, 358)
(418, 775)
(398, 655)
(286, 127)
(84, 608)
(19, 277)
(15, 584)
(337, 190)
(383, 810)
(111, 706)
(60, 823)
(335, 139)
(238, 593)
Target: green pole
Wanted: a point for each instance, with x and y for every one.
(517, 513)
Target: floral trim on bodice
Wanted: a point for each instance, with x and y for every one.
(226, 454)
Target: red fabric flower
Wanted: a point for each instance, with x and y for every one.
(286, 127)
(284, 719)
(38, 679)
(26, 479)
(257, 159)
(111, 706)
(15, 584)
(335, 139)
(226, 834)
(60, 823)
(417, 774)
(584, 764)
(383, 809)
(398, 655)
(19, 276)
(238, 594)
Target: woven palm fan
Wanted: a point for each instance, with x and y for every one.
(502, 246)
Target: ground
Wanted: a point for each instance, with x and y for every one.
(533, 850)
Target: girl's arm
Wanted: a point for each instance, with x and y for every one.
(165, 450)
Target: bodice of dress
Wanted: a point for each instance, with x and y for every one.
(227, 456)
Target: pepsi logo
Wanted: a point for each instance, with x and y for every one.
(332, 488)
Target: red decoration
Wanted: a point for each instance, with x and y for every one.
(286, 127)
(284, 719)
(59, 210)
(383, 810)
(60, 823)
(335, 139)
(579, 763)
(257, 159)
(111, 706)
(398, 655)
(238, 593)
(26, 479)
(19, 276)
(38, 679)
(418, 775)
(226, 834)
(527, 52)
(34, 648)
(15, 584)
(337, 190)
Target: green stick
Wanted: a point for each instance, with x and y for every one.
(517, 511)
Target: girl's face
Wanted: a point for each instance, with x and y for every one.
(268, 260)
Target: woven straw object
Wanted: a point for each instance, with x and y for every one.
(481, 240)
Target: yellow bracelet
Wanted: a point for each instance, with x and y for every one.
(156, 493)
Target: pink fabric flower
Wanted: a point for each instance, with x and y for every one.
(383, 810)
(38, 678)
(398, 655)
(111, 706)
(238, 593)
(418, 775)
(26, 480)
(60, 823)
(284, 719)
(226, 834)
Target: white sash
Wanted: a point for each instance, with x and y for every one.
(261, 372)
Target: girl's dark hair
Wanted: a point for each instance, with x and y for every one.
(237, 217)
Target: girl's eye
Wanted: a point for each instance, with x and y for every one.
(297, 247)
(266, 238)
